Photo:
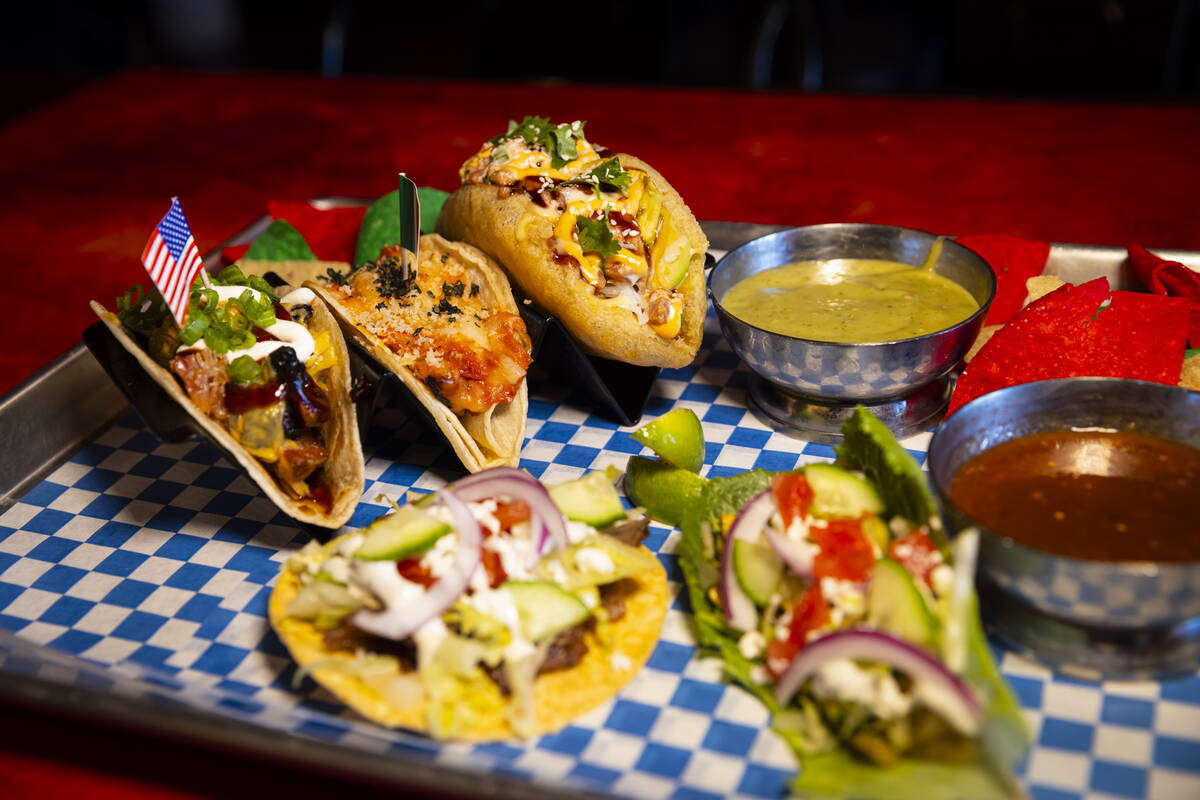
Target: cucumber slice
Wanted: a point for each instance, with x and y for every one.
(591, 499)
(758, 569)
(401, 535)
(838, 493)
(895, 605)
(545, 609)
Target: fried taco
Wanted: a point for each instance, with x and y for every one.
(266, 376)
(450, 331)
(492, 609)
(832, 594)
(599, 239)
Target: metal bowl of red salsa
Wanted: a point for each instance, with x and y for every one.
(1087, 494)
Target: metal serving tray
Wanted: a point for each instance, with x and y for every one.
(133, 578)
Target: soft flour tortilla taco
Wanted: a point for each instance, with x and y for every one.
(450, 331)
(600, 240)
(267, 377)
(446, 617)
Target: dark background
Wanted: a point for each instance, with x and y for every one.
(1141, 50)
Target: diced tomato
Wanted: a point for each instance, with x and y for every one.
(495, 569)
(811, 613)
(845, 552)
(793, 494)
(509, 514)
(779, 654)
(413, 570)
(917, 554)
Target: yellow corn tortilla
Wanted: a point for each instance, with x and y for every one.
(559, 697)
(490, 439)
(343, 470)
(475, 213)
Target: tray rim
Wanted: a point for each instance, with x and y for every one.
(75, 373)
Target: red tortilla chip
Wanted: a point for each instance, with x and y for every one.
(1138, 336)
(1067, 333)
(1014, 261)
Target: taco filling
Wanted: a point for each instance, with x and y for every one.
(249, 361)
(449, 614)
(444, 327)
(609, 221)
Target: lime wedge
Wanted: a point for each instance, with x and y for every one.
(677, 437)
(665, 491)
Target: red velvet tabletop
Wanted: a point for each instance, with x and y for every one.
(85, 180)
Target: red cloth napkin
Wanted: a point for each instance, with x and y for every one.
(1014, 261)
(331, 233)
(1170, 279)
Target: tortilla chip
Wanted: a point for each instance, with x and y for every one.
(1081, 330)
(1013, 260)
(1189, 376)
(490, 439)
(559, 696)
(1039, 286)
(343, 470)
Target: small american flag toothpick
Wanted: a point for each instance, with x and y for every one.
(173, 261)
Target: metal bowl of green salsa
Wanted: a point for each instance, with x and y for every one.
(898, 363)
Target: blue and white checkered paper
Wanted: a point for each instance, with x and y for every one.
(154, 563)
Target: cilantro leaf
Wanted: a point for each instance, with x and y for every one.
(608, 173)
(140, 311)
(560, 141)
(595, 236)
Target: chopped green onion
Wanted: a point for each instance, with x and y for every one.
(193, 330)
(244, 370)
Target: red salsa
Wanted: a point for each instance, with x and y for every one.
(1096, 495)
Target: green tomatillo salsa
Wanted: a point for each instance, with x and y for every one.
(849, 300)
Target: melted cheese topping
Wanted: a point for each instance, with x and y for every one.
(469, 354)
(626, 274)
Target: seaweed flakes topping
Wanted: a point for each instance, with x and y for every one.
(474, 289)
(444, 306)
(335, 277)
(453, 289)
(393, 279)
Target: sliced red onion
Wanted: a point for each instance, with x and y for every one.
(546, 521)
(947, 693)
(402, 621)
(755, 519)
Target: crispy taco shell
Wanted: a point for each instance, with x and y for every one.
(559, 697)
(515, 232)
(344, 469)
(293, 273)
(490, 439)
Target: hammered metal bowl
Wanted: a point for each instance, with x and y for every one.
(848, 373)
(1131, 619)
